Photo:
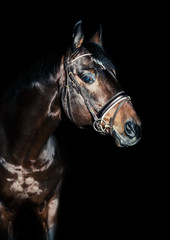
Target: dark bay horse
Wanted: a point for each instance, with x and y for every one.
(83, 85)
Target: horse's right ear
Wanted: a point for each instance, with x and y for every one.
(78, 35)
(97, 37)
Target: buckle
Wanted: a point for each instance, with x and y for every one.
(100, 126)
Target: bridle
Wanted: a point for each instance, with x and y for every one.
(99, 124)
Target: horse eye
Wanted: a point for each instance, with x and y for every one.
(89, 79)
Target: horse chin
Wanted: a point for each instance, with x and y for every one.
(122, 141)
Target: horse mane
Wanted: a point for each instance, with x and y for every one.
(40, 71)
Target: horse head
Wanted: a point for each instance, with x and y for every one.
(91, 93)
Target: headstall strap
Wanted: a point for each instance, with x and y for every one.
(83, 55)
(99, 123)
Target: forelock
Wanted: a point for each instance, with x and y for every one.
(99, 55)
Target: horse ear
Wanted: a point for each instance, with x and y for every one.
(78, 35)
(97, 37)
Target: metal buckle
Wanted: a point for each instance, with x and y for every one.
(98, 126)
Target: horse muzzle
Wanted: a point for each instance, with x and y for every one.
(127, 130)
(131, 135)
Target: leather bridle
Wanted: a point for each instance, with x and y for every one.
(99, 124)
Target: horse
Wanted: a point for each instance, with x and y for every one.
(81, 84)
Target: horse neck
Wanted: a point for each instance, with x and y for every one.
(31, 119)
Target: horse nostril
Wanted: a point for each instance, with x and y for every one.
(132, 129)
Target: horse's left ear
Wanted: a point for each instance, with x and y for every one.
(78, 35)
(97, 37)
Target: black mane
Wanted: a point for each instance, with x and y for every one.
(40, 71)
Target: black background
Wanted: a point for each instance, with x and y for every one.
(108, 192)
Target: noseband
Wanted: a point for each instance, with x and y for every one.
(98, 115)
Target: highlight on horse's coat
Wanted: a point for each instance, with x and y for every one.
(81, 83)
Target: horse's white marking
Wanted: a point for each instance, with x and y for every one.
(10, 179)
(20, 184)
(52, 210)
(18, 187)
(20, 179)
(40, 191)
(33, 188)
(29, 180)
